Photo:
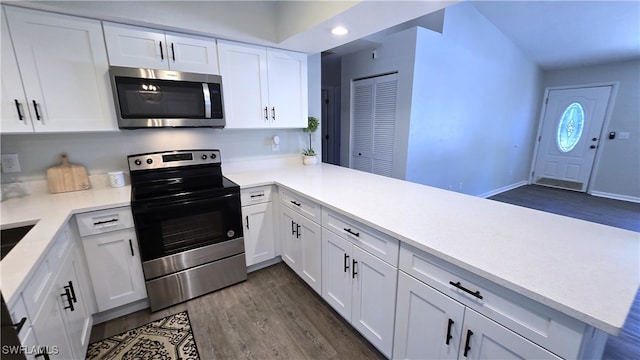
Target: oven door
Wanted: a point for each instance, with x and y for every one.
(177, 232)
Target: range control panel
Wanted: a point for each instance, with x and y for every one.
(168, 159)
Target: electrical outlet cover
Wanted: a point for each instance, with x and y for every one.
(10, 163)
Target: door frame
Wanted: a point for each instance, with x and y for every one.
(605, 125)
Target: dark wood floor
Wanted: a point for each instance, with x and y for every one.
(272, 315)
(616, 213)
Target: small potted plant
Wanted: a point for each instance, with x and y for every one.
(310, 157)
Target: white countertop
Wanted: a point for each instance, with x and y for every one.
(588, 271)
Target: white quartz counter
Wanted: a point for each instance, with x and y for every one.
(588, 271)
(49, 213)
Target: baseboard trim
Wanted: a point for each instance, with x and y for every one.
(120, 311)
(503, 189)
(616, 196)
(264, 264)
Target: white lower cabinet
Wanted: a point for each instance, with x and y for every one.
(431, 325)
(115, 268)
(113, 257)
(301, 247)
(258, 218)
(361, 288)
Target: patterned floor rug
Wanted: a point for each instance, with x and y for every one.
(169, 338)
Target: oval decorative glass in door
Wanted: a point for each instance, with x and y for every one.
(570, 127)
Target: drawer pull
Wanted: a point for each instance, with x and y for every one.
(255, 196)
(346, 262)
(449, 336)
(457, 285)
(105, 222)
(17, 326)
(357, 234)
(467, 346)
(295, 203)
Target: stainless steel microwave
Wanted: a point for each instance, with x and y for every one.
(149, 98)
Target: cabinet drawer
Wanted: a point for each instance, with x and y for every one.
(375, 242)
(102, 221)
(547, 327)
(301, 204)
(38, 285)
(255, 195)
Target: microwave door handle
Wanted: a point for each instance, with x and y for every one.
(207, 100)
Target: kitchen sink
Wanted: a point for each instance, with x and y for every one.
(11, 237)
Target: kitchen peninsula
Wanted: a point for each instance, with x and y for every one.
(564, 266)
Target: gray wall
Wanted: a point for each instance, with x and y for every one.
(617, 172)
(103, 152)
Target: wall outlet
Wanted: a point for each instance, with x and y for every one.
(10, 163)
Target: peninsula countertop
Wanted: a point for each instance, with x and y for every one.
(588, 271)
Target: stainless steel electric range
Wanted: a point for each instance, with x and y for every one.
(188, 222)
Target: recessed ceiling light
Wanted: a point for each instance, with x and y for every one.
(339, 30)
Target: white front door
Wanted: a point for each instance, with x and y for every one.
(569, 137)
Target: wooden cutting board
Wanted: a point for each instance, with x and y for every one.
(67, 177)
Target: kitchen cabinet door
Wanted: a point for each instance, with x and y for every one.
(374, 299)
(483, 338)
(287, 74)
(259, 242)
(49, 329)
(311, 253)
(64, 69)
(115, 268)
(336, 272)
(290, 245)
(139, 47)
(428, 323)
(245, 85)
(15, 111)
(74, 308)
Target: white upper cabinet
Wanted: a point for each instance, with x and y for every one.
(138, 47)
(64, 70)
(263, 88)
(15, 112)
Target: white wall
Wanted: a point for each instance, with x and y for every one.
(475, 100)
(103, 152)
(395, 54)
(618, 170)
(467, 98)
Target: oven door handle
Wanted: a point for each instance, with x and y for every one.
(182, 202)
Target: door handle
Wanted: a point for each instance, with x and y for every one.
(67, 293)
(161, 52)
(131, 247)
(173, 53)
(247, 218)
(467, 347)
(346, 262)
(449, 336)
(293, 231)
(353, 265)
(35, 107)
(266, 113)
(20, 116)
(273, 113)
(297, 231)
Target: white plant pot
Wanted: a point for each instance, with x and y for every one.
(309, 160)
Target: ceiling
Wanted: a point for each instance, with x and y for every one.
(562, 34)
(554, 34)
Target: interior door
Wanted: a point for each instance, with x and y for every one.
(569, 137)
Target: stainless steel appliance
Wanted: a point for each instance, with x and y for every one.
(148, 98)
(188, 222)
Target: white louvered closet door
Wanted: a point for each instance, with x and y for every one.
(374, 118)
